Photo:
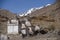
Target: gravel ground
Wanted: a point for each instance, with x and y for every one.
(37, 37)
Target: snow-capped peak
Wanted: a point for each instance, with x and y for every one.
(33, 9)
(48, 5)
(39, 7)
(21, 15)
(29, 11)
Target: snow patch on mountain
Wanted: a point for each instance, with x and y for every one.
(47, 5)
(21, 15)
(39, 7)
(34, 9)
(30, 10)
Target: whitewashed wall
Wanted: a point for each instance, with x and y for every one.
(12, 28)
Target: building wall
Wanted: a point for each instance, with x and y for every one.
(12, 26)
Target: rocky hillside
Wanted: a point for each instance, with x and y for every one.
(46, 16)
(5, 15)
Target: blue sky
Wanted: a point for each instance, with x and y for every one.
(17, 6)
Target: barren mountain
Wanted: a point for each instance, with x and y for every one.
(47, 16)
